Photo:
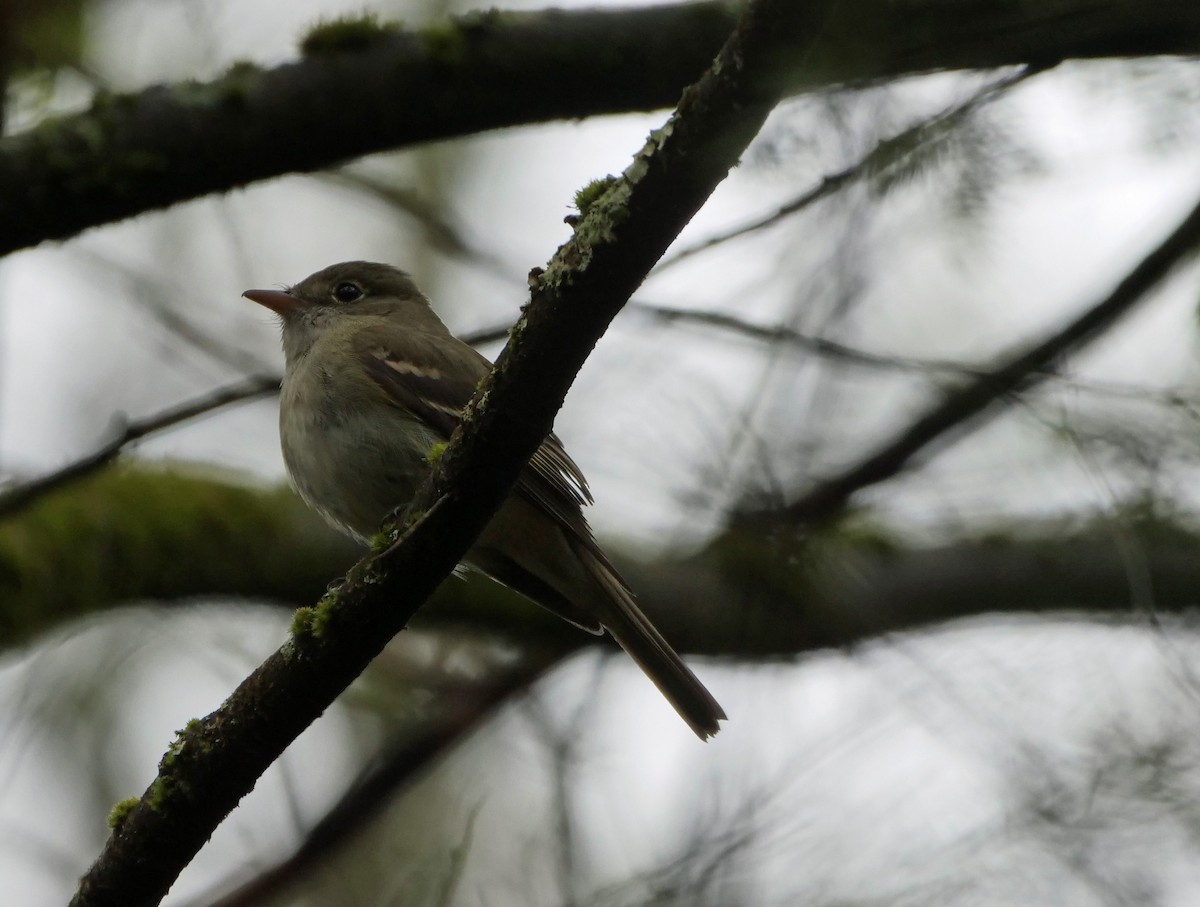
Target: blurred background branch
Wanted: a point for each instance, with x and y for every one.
(970, 683)
(959, 408)
(139, 152)
(21, 495)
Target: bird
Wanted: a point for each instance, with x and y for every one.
(373, 382)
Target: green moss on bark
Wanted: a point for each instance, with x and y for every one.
(131, 533)
(346, 34)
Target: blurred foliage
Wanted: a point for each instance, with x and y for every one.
(45, 34)
(346, 34)
(143, 533)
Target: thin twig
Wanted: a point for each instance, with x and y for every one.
(848, 354)
(442, 234)
(22, 495)
(820, 346)
(156, 298)
(403, 760)
(960, 410)
(19, 496)
(880, 158)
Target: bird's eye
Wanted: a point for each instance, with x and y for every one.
(347, 292)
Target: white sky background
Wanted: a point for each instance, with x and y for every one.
(875, 751)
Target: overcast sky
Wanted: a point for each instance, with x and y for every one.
(853, 744)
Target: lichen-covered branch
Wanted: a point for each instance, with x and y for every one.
(369, 89)
(152, 534)
(357, 91)
(216, 760)
(172, 537)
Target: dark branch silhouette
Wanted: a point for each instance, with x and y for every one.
(20, 496)
(133, 153)
(400, 761)
(216, 760)
(137, 152)
(963, 409)
(886, 154)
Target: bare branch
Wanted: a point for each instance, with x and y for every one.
(819, 346)
(850, 355)
(400, 763)
(879, 159)
(965, 408)
(440, 232)
(18, 497)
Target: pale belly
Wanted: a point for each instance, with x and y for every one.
(353, 466)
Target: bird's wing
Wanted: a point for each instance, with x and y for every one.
(433, 380)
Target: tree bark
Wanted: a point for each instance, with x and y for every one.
(630, 222)
(174, 538)
(137, 152)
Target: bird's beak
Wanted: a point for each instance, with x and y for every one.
(278, 301)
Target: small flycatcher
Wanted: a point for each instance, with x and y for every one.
(373, 381)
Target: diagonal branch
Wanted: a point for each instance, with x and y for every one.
(18, 497)
(848, 355)
(402, 761)
(966, 408)
(216, 760)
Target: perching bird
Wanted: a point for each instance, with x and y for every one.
(373, 381)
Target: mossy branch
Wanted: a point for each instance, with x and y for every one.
(156, 534)
(215, 761)
(366, 87)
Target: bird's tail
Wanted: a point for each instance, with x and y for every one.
(613, 603)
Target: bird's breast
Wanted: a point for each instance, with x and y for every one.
(352, 459)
